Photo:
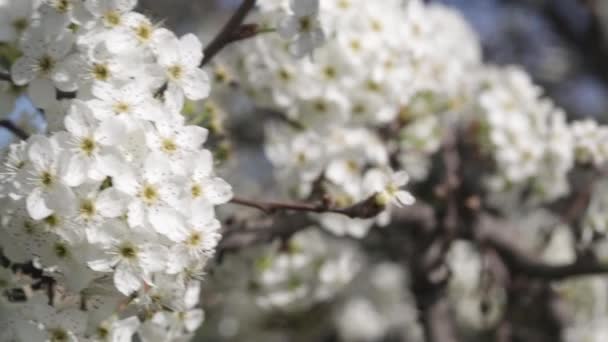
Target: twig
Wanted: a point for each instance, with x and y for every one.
(428, 265)
(367, 208)
(65, 95)
(233, 30)
(260, 231)
(438, 321)
(573, 208)
(9, 125)
(279, 116)
(5, 76)
(523, 264)
(451, 184)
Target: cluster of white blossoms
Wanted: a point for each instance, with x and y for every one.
(309, 271)
(116, 204)
(281, 280)
(381, 63)
(590, 140)
(320, 282)
(530, 141)
(379, 304)
(381, 93)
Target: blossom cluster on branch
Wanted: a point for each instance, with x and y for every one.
(402, 154)
(115, 205)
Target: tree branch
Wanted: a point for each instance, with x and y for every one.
(9, 125)
(65, 95)
(429, 268)
(520, 262)
(233, 30)
(6, 76)
(260, 231)
(367, 208)
(438, 321)
(251, 232)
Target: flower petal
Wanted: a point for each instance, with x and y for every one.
(111, 203)
(169, 223)
(36, 205)
(195, 84)
(23, 70)
(405, 198)
(190, 50)
(125, 280)
(217, 190)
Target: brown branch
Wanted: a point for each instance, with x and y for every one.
(65, 95)
(272, 114)
(9, 125)
(430, 272)
(522, 263)
(233, 30)
(41, 281)
(437, 320)
(579, 205)
(5, 76)
(260, 231)
(239, 234)
(367, 208)
(572, 208)
(450, 187)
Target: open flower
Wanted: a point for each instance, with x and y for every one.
(43, 65)
(302, 27)
(131, 255)
(45, 178)
(179, 59)
(387, 186)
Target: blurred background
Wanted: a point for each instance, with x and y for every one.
(562, 43)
